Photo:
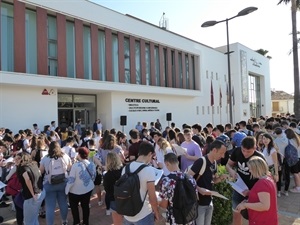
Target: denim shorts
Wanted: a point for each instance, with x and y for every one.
(236, 199)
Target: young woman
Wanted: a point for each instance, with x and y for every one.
(295, 170)
(30, 178)
(114, 169)
(262, 201)
(164, 148)
(55, 163)
(80, 186)
(270, 154)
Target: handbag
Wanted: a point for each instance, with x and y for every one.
(13, 185)
(19, 200)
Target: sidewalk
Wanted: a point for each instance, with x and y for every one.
(288, 208)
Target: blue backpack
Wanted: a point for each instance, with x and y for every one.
(291, 155)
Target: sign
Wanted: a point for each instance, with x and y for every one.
(142, 105)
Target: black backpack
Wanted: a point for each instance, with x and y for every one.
(127, 192)
(185, 201)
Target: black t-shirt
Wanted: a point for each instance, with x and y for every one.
(35, 177)
(199, 140)
(205, 181)
(134, 149)
(109, 181)
(242, 168)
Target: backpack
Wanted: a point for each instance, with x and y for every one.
(85, 143)
(57, 175)
(291, 154)
(13, 186)
(185, 201)
(127, 192)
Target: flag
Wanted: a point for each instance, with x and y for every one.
(220, 99)
(233, 99)
(227, 93)
(212, 102)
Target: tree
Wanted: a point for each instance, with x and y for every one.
(263, 52)
(295, 5)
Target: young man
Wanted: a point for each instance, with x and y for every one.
(206, 180)
(36, 130)
(197, 137)
(239, 158)
(244, 129)
(168, 186)
(149, 211)
(135, 143)
(193, 151)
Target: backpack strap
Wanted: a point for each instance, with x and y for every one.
(127, 168)
(202, 170)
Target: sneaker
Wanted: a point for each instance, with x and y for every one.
(100, 203)
(108, 212)
(278, 194)
(286, 193)
(3, 205)
(295, 190)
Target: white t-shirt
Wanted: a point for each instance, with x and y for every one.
(146, 175)
(70, 151)
(268, 157)
(160, 156)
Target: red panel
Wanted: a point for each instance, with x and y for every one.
(190, 72)
(95, 52)
(79, 49)
(19, 37)
(143, 62)
(169, 70)
(176, 69)
(61, 45)
(132, 60)
(183, 71)
(152, 63)
(42, 41)
(121, 57)
(108, 53)
(161, 65)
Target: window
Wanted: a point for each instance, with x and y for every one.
(101, 51)
(208, 107)
(225, 79)
(7, 37)
(180, 70)
(212, 75)
(217, 77)
(70, 35)
(203, 110)
(138, 62)
(148, 64)
(193, 75)
(31, 46)
(156, 59)
(52, 46)
(207, 74)
(187, 78)
(165, 67)
(87, 55)
(115, 60)
(127, 59)
(173, 69)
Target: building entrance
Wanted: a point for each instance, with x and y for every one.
(74, 107)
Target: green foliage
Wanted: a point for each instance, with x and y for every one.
(222, 214)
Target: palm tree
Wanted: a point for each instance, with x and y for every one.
(295, 5)
(264, 53)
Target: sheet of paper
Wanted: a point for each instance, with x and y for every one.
(158, 174)
(2, 185)
(239, 185)
(217, 194)
(179, 150)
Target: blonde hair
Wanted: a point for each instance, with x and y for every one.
(258, 167)
(113, 161)
(163, 144)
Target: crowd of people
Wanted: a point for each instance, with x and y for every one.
(64, 167)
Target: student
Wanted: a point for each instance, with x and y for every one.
(168, 186)
(206, 180)
(239, 158)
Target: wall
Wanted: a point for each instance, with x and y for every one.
(20, 107)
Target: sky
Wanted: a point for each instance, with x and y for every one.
(268, 28)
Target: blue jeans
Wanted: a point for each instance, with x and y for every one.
(204, 214)
(31, 209)
(55, 192)
(149, 220)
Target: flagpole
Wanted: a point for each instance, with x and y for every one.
(212, 101)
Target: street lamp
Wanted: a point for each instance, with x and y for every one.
(210, 23)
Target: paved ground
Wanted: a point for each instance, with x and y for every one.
(289, 213)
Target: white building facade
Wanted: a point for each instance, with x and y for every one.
(72, 60)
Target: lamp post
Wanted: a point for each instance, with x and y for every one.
(210, 23)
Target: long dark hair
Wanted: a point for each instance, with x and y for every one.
(271, 144)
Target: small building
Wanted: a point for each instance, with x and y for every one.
(282, 103)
